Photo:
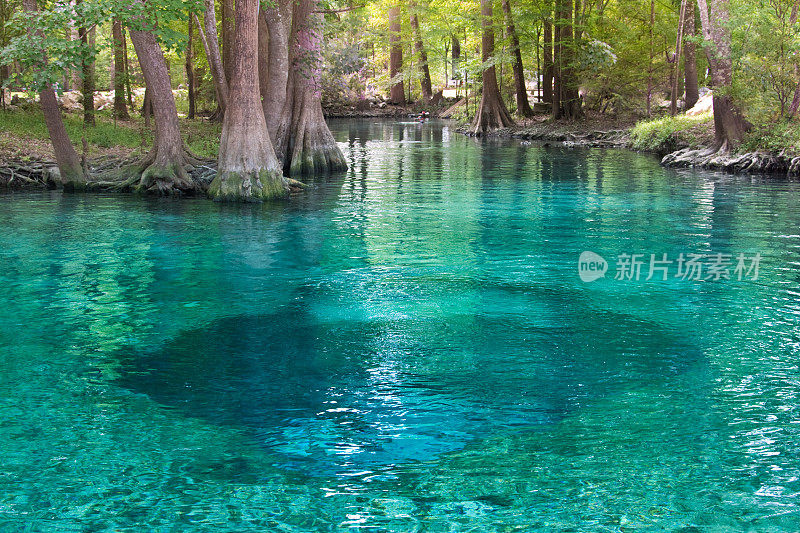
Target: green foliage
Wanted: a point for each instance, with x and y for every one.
(666, 133)
(783, 136)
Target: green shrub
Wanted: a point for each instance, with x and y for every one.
(667, 133)
(773, 138)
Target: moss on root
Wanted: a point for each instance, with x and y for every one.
(253, 186)
(165, 180)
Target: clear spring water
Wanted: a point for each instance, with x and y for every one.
(407, 347)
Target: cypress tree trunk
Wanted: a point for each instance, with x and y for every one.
(247, 169)
(690, 60)
(397, 93)
(547, 58)
(228, 30)
(69, 164)
(566, 102)
(729, 123)
(455, 54)
(87, 72)
(120, 108)
(419, 47)
(190, 71)
(492, 113)
(162, 171)
(279, 25)
(523, 105)
(305, 145)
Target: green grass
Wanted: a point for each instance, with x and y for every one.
(667, 133)
(201, 136)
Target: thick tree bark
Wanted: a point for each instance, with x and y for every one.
(279, 23)
(690, 60)
(120, 108)
(492, 113)
(304, 144)
(566, 101)
(523, 105)
(162, 171)
(397, 93)
(71, 172)
(209, 38)
(547, 58)
(247, 169)
(190, 71)
(729, 123)
(422, 56)
(147, 106)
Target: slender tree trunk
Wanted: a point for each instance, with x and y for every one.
(547, 57)
(209, 38)
(120, 108)
(279, 23)
(419, 47)
(304, 144)
(247, 169)
(455, 54)
(729, 123)
(690, 60)
(523, 105)
(652, 56)
(71, 172)
(162, 171)
(128, 88)
(87, 83)
(190, 71)
(397, 93)
(228, 30)
(492, 113)
(795, 105)
(673, 104)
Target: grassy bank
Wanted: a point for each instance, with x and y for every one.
(23, 135)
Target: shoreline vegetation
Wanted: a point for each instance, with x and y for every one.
(27, 162)
(698, 90)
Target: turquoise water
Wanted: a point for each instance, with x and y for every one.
(407, 347)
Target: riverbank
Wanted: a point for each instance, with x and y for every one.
(27, 162)
(681, 141)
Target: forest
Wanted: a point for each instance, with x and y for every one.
(261, 76)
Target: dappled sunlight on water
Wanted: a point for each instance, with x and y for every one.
(407, 346)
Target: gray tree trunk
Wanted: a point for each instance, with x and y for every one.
(117, 36)
(279, 23)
